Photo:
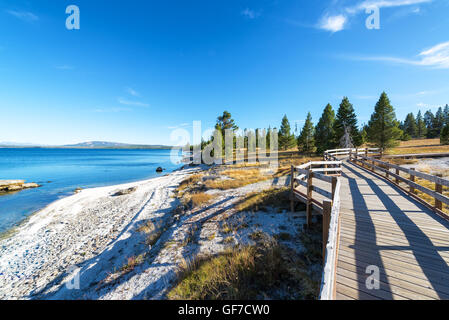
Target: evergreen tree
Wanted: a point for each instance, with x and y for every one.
(444, 136)
(286, 138)
(268, 137)
(429, 120)
(383, 128)
(225, 121)
(446, 115)
(346, 118)
(421, 129)
(439, 121)
(324, 131)
(409, 125)
(306, 140)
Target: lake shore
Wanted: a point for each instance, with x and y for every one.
(98, 239)
(74, 229)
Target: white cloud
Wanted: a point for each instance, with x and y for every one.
(339, 18)
(132, 103)
(132, 92)
(250, 14)
(384, 4)
(23, 15)
(333, 23)
(436, 57)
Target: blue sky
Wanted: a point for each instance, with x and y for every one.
(138, 69)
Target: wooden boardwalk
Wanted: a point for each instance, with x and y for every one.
(382, 226)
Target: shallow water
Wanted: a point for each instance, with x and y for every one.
(61, 171)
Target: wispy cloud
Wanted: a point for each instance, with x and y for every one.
(23, 15)
(435, 57)
(132, 103)
(111, 110)
(337, 18)
(250, 14)
(64, 67)
(132, 92)
(333, 23)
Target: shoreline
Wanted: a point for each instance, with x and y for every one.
(10, 231)
(78, 225)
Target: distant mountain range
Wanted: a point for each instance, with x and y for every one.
(86, 145)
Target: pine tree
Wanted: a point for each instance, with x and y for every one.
(429, 120)
(439, 121)
(446, 115)
(286, 138)
(324, 131)
(421, 129)
(444, 136)
(346, 118)
(383, 128)
(306, 140)
(268, 137)
(409, 125)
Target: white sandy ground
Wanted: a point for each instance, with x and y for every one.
(431, 165)
(91, 235)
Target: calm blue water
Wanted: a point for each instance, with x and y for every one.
(61, 171)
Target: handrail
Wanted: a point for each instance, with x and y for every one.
(385, 167)
(330, 209)
(330, 265)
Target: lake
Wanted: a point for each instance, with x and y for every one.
(61, 171)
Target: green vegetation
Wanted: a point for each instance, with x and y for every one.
(444, 138)
(264, 271)
(324, 132)
(347, 119)
(383, 128)
(286, 138)
(306, 140)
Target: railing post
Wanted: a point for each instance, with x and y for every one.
(327, 210)
(309, 197)
(356, 154)
(292, 192)
(397, 179)
(438, 189)
(350, 154)
(412, 178)
(334, 186)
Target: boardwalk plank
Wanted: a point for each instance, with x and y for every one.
(384, 226)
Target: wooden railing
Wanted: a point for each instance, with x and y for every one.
(333, 155)
(384, 168)
(304, 175)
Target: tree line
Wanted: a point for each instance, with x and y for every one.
(340, 129)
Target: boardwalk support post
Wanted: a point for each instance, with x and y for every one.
(292, 192)
(334, 185)
(412, 178)
(397, 173)
(327, 209)
(309, 197)
(438, 189)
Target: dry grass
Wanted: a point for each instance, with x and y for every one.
(419, 146)
(429, 199)
(266, 271)
(266, 200)
(200, 199)
(237, 179)
(189, 182)
(400, 161)
(131, 264)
